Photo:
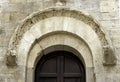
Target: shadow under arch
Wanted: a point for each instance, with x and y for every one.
(33, 59)
(60, 48)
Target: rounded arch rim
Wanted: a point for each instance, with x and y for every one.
(74, 13)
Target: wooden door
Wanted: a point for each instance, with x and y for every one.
(59, 66)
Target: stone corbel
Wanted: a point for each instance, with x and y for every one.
(11, 58)
(109, 56)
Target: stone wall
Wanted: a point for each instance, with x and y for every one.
(13, 12)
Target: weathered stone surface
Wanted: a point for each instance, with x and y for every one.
(28, 23)
(18, 1)
(11, 60)
(109, 24)
(5, 17)
(109, 58)
(31, 0)
(4, 1)
(13, 12)
(10, 7)
(17, 16)
(108, 6)
(2, 79)
(116, 42)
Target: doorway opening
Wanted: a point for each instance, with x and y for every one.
(60, 66)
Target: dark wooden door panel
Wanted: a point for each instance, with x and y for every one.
(71, 66)
(49, 66)
(72, 75)
(72, 80)
(47, 80)
(59, 66)
(48, 75)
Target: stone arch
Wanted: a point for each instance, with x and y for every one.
(68, 42)
(55, 48)
(61, 12)
(53, 21)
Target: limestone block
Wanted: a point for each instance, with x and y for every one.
(117, 51)
(11, 79)
(38, 6)
(2, 79)
(30, 74)
(48, 3)
(11, 7)
(29, 39)
(17, 16)
(31, 0)
(116, 41)
(90, 74)
(7, 33)
(109, 16)
(2, 52)
(4, 1)
(1, 37)
(46, 42)
(100, 78)
(88, 5)
(22, 51)
(5, 17)
(108, 24)
(9, 27)
(96, 15)
(5, 40)
(28, 7)
(0, 9)
(19, 74)
(18, 1)
(112, 78)
(57, 24)
(1, 31)
(35, 30)
(35, 52)
(114, 32)
(107, 6)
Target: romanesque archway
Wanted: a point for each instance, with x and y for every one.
(59, 26)
(60, 41)
(59, 66)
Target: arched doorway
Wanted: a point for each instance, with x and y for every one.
(59, 66)
(59, 26)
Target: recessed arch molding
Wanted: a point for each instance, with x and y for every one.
(108, 50)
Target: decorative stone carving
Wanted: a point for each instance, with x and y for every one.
(109, 57)
(65, 12)
(60, 2)
(11, 58)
